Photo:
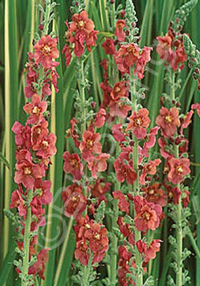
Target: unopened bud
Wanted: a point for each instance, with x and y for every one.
(41, 27)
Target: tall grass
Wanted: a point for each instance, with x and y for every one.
(21, 20)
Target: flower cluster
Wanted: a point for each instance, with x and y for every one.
(91, 239)
(80, 33)
(171, 49)
(41, 67)
(34, 147)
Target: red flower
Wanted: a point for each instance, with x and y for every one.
(119, 108)
(35, 109)
(147, 214)
(98, 164)
(109, 46)
(27, 173)
(119, 32)
(18, 202)
(138, 123)
(100, 118)
(38, 268)
(99, 188)
(22, 135)
(150, 142)
(119, 90)
(117, 133)
(186, 121)
(123, 204)
(168, 121)
(143, 60)
(67, 52)
(45, 195)
(74, 200)
(173, 193)
(171, 50)
(126, 57)
(141, 246)
(149, 168)
(93, 236)
(45, 147)
(81, 24)
(185, 198)
(46, 51)
(124, 170)
(124, 227)
(90, 144)
(154, 194)
(163, 145)
(152, 249)
(197, 107)
(72, 132)
(164, 48)
(178, 169)
(73, 165)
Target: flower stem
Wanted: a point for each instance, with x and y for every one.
(27, 241)
(138, 258)
(113, 268)
(179, 234)
(46, 17)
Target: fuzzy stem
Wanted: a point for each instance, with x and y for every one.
(46, 17)
(138, 258)
(179, 234)
(27, 241)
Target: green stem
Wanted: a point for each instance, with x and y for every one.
(172, 85)
(138, 258)
(113, 268)
(46, 17)
(82, 95)
(179, 233)
(27, 241)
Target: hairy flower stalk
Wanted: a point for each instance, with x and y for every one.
(35, 146)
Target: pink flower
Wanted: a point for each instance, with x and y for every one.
(98, 164)
(119, 32)
(163, 145)
(74, 200)
(35, 109)
(152, 249)
(178, 169)
(143, 60)
(150, 142)
(27, 172)
(46, 51)
(22, 135)
(119, 90)
(123, 203)
(119, 108)
(173, 193)
(117, 133)
(124, 170)
(43, 186)
(100, 118)
(81, 23)
(154, 194)
(197, 107)
(126, 57)
(109, 46)
(149, 169)
(45, 148)
(138, 123)
(18, 202)
(141, 246)
(168, 121)
(90, 144)
(67, 52)
(147, 214)
(186, 121)
(38, 268)
(185, 198)
(73, 165)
